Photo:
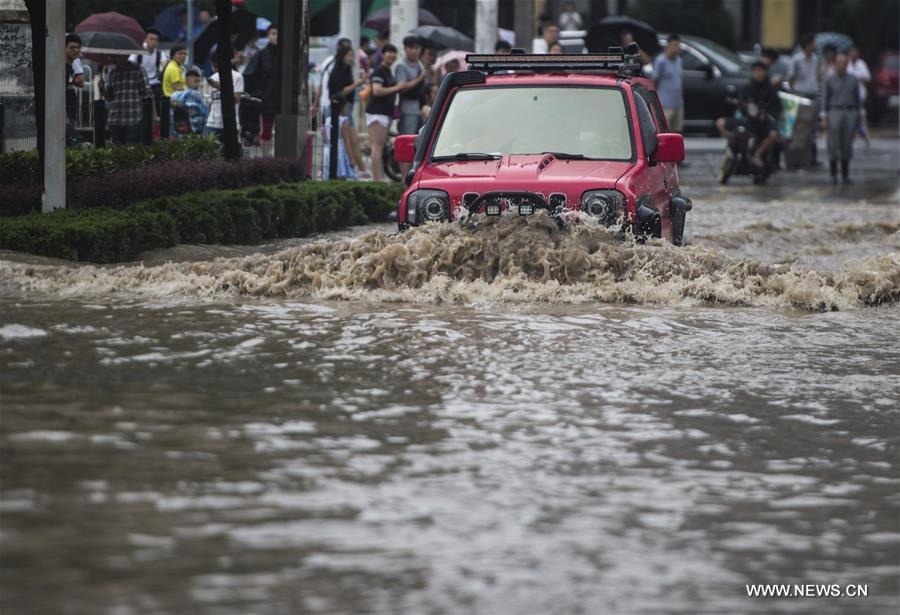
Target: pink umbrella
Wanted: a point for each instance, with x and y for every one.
(113, 22)
(453, 54)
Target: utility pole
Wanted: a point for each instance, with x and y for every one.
(404, 17)
(292, 120)
(190, 32)
(54, 196)
(523, 14)
(231, 146)
(485, 25)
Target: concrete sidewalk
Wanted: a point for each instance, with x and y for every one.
(708, 145)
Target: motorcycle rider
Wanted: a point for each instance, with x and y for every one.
(763, 96)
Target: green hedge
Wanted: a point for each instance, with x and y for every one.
(244, 216)
(24, 169)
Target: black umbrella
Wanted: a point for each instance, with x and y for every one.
(608, 33)
(243, 27)
(445, 37)
(381, 20)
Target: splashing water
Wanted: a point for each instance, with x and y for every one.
(512, 259)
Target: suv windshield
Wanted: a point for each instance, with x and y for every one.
(589, 121)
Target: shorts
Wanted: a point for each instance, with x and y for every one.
(675, 118)
(377, 118)
(409, 123)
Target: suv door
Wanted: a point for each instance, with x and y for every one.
(662, 176)
(700, 80)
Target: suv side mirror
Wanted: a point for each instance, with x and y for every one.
(708, 69)
(669, 148)
(405, 148)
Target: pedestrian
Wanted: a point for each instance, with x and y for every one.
(410, 70)
(556, 48)
(153, 63)
(267, 81)
(549, 34)
(380, 108)
(189, 108)
(363, 54)
(776, 66)
(804, 79)
(215, 124)
(826, 66)
(381, 39)
(429, 85)
(502, 47)
(74, 75)
(173, 74)
(326, 68)
(840, 115)
(125, 89)
(570, 19)
(857, 67)
(341, 83)
(667, 73)
(347, 158)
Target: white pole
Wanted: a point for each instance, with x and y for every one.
(350, 24)
(404, 17)
(55, 108)
(485, 25)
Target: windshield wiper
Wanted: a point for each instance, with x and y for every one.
(466, 156)
(565, 156)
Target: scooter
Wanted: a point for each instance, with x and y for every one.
(739, 153)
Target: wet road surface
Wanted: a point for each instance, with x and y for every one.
(619, 429)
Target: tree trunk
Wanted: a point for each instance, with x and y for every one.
(37, 11)
(232, 146)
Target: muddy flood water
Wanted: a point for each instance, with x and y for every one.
(503, 419)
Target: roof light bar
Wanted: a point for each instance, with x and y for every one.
(614, 60)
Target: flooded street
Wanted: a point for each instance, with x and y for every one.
(505, 419)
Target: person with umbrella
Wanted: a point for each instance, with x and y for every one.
(173, 75)
(125, 90)
(840, 115)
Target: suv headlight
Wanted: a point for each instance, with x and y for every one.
(605, 205)
(427, 206)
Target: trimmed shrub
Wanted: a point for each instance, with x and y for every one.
(157, 180)
(24, 168)
(244, 216)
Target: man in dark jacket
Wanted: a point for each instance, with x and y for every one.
(266, 82)
(760, 105)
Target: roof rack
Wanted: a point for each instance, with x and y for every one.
(615, 60)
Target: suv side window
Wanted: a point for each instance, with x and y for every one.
(656, 111)
(645, 123)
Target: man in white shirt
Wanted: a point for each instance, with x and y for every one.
(153, 64)
(549, 35)
(569, 19)
(215, 124)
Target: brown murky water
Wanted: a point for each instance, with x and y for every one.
(504, 419)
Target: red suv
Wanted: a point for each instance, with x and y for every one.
(556, 132)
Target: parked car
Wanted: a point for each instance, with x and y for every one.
(885, 87)
(709, 68)
(524, 132)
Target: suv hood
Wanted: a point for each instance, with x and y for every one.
(532, 172)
